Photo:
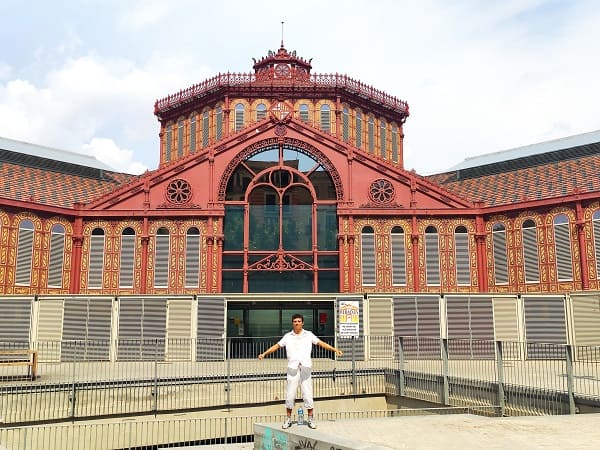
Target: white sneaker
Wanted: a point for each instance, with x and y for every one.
(287, 423)
(311, 423)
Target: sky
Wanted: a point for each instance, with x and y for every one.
(479, 76)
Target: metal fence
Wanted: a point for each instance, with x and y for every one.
(162, 376)
(173, 433)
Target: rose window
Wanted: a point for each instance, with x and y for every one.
(179, 191)
(381, 191)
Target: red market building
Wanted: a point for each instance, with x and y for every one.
(281, 181)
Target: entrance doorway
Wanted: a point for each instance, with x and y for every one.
(252, 328)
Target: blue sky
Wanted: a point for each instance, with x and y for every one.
(479, 76)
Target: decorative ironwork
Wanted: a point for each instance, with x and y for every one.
(382, 191)
(179, 191)
(226, 80)
(280, 130)
(279, 262)
(301, 146)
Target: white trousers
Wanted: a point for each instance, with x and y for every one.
(295, 377)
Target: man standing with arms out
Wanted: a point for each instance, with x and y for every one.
(298, 344)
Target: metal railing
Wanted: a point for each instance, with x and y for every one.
(167, 433)
(88, 379)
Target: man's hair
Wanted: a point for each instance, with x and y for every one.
(298, 316)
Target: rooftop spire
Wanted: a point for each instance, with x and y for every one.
(282, 34)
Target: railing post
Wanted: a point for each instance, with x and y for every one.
(353, 365)
(228, 384)
(500, 376)
(445, 389)
(401, 381)
(155, 406)
(73, 390)
(569, 355)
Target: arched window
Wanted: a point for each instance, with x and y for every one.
(371, 134)
(530, 252)
(596, 228)
(382, 139)
(432, 256)
(304, 112)
(325, 118)
(57, 255)
(395, 143)
(281, 225)
(398, 257)
(358, 129)
(96, 264)
(239, 117)
(24, 253)
(205, 129)
(463, 268)
(192, 258)
(168, 143)
(127, 258)
(193, 133)
(345, 125)
(261, 111)
(219, 123)
(562, 241)
(367, 247)
(161, 261)
(180, 140)
(500, 253)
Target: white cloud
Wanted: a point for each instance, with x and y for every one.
(107, 151)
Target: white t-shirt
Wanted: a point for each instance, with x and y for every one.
(298, 348)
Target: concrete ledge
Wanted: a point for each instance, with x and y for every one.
(272, 437)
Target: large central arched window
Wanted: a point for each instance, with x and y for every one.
(280, 224)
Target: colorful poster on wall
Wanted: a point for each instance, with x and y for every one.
(348, 318)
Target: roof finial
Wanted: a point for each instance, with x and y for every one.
(282, 34)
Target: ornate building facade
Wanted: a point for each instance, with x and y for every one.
(285, 181)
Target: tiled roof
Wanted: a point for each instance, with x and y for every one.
(55, 188)
(536, 182)
(578, 140)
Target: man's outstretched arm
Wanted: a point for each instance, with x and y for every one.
(331, 348)
(271, 349)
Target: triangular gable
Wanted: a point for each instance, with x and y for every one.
(356, 174)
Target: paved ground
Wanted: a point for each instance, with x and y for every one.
(466, 432)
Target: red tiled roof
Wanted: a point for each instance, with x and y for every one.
(53, 188)
(532, 183)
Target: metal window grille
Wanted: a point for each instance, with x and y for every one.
(180, 130)
(127, 261)
(367, 248)
(57, 256)
(205, 129)
(463, 268)
(395, 144)
(24, 255)
(530, 255)
(193, 134)
(304, 113)
(432, 258)
(371, 133)
(596, 227)
(325, 118)
(562, 240)
(261, 112)
(398, 259)
(382, 139)
(168, 143)
(358, 130)
(192, 260)
(345, 125)
(96, 265)
(219, 124)
(161, 263)
(239, 117)
(500, 257)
